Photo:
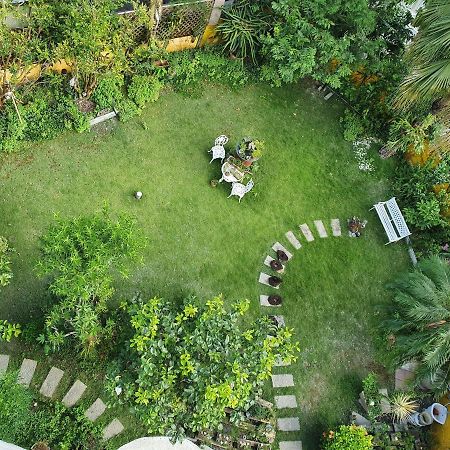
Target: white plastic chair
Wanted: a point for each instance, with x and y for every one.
(218, 152)
(221, 140)
(240, 189)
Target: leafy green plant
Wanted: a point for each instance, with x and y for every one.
(426, 214)
(109, 92)
(127, 110)
(372, 396)
(9, 330)
(143, 89)
(347, 437)
(6, 273)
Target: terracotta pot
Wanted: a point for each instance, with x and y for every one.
(282, 255)
(275, 281)
(274, 300)
(247, 163)
(276, 265)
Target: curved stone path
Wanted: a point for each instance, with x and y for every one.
(71, 397)
(285, 380)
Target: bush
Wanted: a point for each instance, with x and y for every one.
(109, 92)
(11, 128)
(143, 89)
(5, 262)
(127, 109)
(347, 437)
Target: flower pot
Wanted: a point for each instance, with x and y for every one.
(421, 419)
(214, 183)
(247, 163)
(274, 300)
(276, 265)
(438, 412)
(281, 256)
(275, 281)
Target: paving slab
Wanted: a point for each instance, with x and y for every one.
(306, 232)
(283, 380)
(320, 227)
(293, 240)
(263, 301)
(360, 420)
(336, 227)
(290, 445)
(264, 279)
(280, 320)
(113, 429)
(288, 423)
(74, 393)
(278, 246)
(95, 410)
(26, 371)
(268, 260)
(285, 401)
(4, 361)
(51, 382)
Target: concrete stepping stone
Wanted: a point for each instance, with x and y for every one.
(263, 300)
(320, 227)
(283, 380)
(293, 240)
(113, 429)
(336, 227)
(280, 320)
(280, 363)
(384, 402)
(290, 445)
(278, 246)
(74, 393)
(95, 410)
(288, 423)
(26, 372)
(268, 260)
(264, 279)
(51, 382)
(306, 232)
(4, 361)
(285, 401)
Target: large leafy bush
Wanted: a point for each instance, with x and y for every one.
(347, 437)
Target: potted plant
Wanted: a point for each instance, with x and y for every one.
(275, 281)
(274, 300)
(249, 150)
(281, 256)
(276, 265)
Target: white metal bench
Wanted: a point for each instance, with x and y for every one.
(392, 220)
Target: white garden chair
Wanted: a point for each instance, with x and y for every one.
(218, 152)
(221, 140)
(240, 189)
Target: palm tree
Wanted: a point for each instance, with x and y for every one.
(429, 57)
(420, 321)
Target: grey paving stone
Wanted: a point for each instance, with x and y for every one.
(74, 393)
(278, 246)
(280, 320)
(283, 380)
(336, 227)
(95, 410)
(293, 240)
(51, 382)
(263, 300)
(4, 361)
(329, 95)
(288, 424)
(290, 445)
(306, 232)
(113, 429)
(320, 227)
(26, 371)
(268, 260)
(264, 279)
(285, 401)
(360, 420)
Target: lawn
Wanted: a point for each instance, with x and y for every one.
(200, 242)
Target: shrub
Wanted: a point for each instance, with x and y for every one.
(5, 262)
(347, 437)
(109, 92)
(373, 397)
(143, 89)
(11, 128)
(127, 109)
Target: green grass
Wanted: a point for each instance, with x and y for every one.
(203, 243)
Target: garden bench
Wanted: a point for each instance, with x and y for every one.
(392, 220)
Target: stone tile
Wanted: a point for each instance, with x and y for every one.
(26, 371)
(74, 393)
(306, 232)
(290, 445)
(285, 401)
(336, 227)
(264, 302)
(4, 361)
(284, 380)
(288, 423)
(329, 95)
(51, 382)
(280, 320)
(268, 260)
(113, 429)
(95, 410)
(403, 379)
(293, 240)
(360, 420)
(320, 227)
(264, 279)
(278, 246)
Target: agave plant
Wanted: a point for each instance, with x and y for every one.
(402, 406)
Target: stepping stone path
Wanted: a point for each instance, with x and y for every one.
(95, 410)
(4, 361)
(50, 384)
(306, 232)
(113, 429)
(320, 228)
(26, 372)
(290, 424)
(293, 240)
(74, 393)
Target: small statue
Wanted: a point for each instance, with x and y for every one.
(138, 195)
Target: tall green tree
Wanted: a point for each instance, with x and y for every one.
(420, 320)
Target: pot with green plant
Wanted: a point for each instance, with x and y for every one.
(249, 150)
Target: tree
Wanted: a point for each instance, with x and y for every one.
(428, 56)
(420, 320)
(193, 361)
(80, 254)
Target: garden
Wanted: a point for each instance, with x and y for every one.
(132, 250)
